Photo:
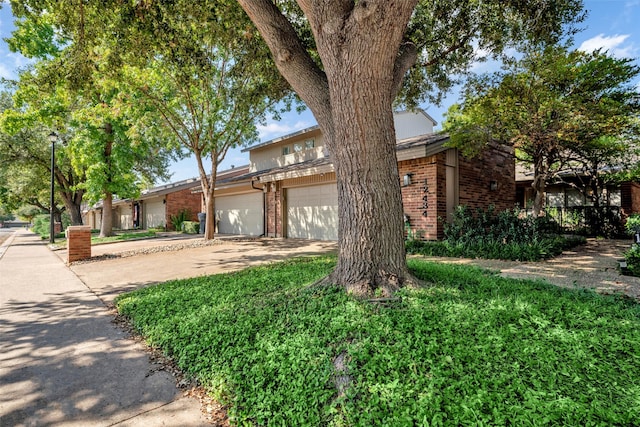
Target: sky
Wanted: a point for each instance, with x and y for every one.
(611, 25)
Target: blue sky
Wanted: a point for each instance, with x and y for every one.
(612, 25)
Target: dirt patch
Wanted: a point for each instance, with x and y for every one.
(594, 265)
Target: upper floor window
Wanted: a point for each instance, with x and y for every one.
(309, 144)
(297, 147)
(285, 150)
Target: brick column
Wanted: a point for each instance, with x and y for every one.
(78, 243)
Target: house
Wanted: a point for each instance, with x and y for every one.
(290, 189)
(569, 205)
(153, 208)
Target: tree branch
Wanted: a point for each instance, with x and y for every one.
(290, 55)
(405, 60)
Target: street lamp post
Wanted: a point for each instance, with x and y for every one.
(53, 137)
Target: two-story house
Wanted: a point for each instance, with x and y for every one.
(289, 189)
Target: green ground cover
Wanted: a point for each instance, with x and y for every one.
(470, 349)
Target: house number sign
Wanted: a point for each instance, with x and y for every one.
(425, 198)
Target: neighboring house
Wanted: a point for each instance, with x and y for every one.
(570, 205)
(299, 197)
(289, 188)
(153, 208)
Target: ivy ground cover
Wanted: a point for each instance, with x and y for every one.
(471, 348)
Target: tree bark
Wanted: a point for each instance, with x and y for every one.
(72, 201)
(106, 225)
(210, 211)
(351, 98)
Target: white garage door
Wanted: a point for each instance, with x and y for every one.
(240, 214)
(154, 213)
(312, 212)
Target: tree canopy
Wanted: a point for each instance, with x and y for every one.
(567, 113)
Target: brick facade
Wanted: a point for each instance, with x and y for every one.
(488, 179)
(422, 199)
(477, 183)
(274, 210)
(78, 243)
(183, 199)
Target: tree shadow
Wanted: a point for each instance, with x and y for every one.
(62, 360)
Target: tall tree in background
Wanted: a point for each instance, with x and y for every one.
(350, 61)
(76, 66)
(194, 63)
(564, 111)
(25, 152)
(209, 91)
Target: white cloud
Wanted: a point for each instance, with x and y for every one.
(20, 61)
(612, 44)
(276, 129)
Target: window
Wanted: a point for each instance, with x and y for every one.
(555, 198)
(309, 144)
(297, 147)
(615, 197)
(285, 150)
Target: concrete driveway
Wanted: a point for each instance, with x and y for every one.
(110, 277)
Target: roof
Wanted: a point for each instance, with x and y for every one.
(434, 141)
(281, 138)
(422, 140)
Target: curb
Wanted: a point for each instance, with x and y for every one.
(5, 245)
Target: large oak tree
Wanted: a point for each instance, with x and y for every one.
(350, 61)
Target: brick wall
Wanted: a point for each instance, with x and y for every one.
(78, 243)
(630, 195)
(477, 174)
(180, 200)
(425, 199)
(423, 214)
(274, 210)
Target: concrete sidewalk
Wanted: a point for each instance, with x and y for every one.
(62, 361)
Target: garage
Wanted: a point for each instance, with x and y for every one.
(312, 212)
(240, 214)
(154, 213)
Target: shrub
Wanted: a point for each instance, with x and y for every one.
(177, 220)
(632, 257)
(503, 235)
(633, 224)
(190, 227)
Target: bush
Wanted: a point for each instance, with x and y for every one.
(41, 225)
(177, 220)
(633, 224)
(190, 227)
(503, 235)
(632, 257)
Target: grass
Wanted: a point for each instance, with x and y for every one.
(472, 349)
(61, 239)
(131, 235)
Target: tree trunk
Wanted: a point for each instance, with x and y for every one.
(371, 234)
(106, 226)
(73, 207)
(539, 186)
(363, 65)
(210, 211)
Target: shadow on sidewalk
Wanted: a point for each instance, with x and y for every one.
(63, 360)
